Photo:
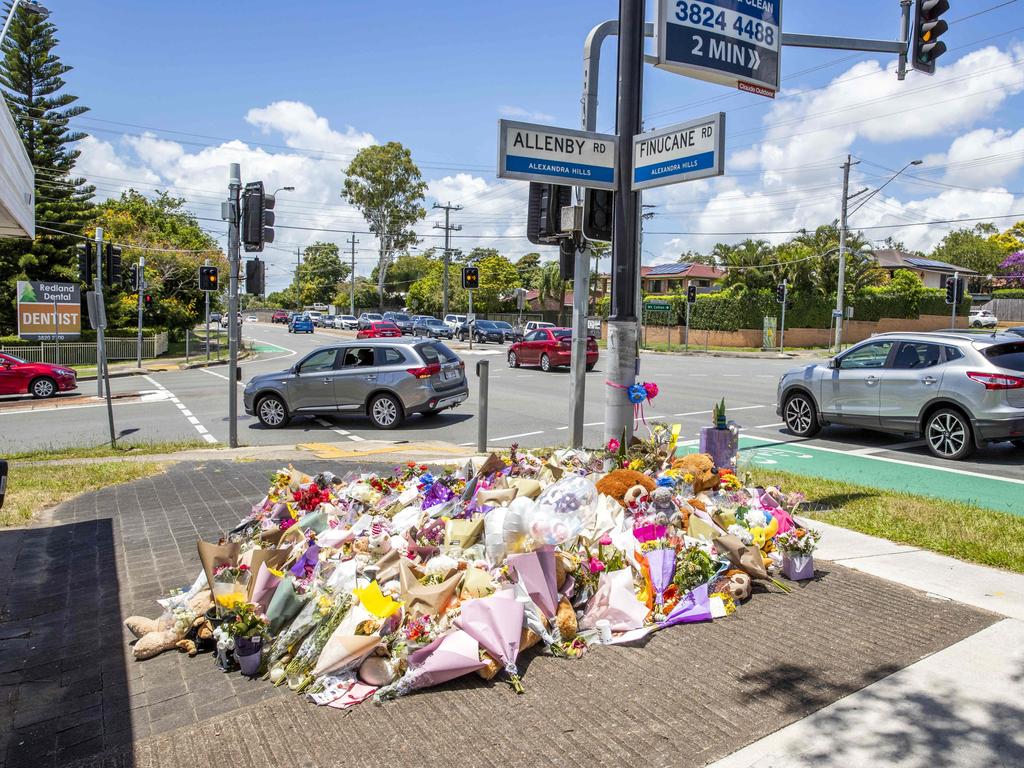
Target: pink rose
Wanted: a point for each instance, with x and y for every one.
(605, 541)
(613, 445)
(596, 566)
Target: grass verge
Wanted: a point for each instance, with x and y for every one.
(104, 450)
(33, 488)
(960, 530)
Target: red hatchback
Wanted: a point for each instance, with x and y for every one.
(18, 377)
(380, 331)
(549, 348)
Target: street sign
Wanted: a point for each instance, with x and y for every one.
(684, 152)
(541, 153)
(657, 306)
(49, 311)
(730, 42)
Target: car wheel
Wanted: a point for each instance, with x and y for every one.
(590, 367)
(386, 412)
(975, 325)
(43, 387)
(800, 415)
(271, 412)
(545, 363)
(513, 359)
(948, 434)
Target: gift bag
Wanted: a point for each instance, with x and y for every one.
(463, 533)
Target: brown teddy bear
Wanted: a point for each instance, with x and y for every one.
(701, 466)
(158, 635)
(619, 481)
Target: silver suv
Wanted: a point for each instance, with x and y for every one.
(386, 379)
(958, 391)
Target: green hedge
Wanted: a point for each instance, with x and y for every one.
(1008, 293)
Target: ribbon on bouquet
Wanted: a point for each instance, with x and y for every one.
(638, 393)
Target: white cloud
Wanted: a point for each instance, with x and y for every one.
(984, 157)
(519, 113)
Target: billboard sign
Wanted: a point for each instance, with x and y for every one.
(49, 311)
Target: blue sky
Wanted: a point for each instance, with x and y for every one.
(178, 90)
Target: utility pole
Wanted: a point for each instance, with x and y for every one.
(352, 277)
(840, 309)
(623, 358)
(448, 229)
(233, 210)
(98, 287)
(140, 286)
(298, 263)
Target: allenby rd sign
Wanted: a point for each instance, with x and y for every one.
(730, 42)
(556, 155)
(683, 152)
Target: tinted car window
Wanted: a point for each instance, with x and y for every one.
(868, 356)
(319, 361)
(953, 353)
(435, 322)
(485, 324)
(562, 334)
(1009, 356)
(358, 357)
(915, 355)
(436, 352)
(535, 336)
(389, 356)
(503, 325)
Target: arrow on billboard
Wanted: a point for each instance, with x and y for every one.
(755, 58)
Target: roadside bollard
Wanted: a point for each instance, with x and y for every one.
(482, 367)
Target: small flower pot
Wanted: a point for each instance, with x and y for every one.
(248, 653)
(797, 567)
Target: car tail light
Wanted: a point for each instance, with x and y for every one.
(565, 341)
(426, 371)
(996, 380)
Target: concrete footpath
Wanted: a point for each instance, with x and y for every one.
(961, 706)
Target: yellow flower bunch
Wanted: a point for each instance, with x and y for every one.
(727, 601)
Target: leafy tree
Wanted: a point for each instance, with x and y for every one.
(386, 186)
(365, 295)
(498, 279)
(693, 257)
(972, 248)
(1012, 240)
(743, 262)
(1013, 267)
(529, 268)
(407, 269)
(321, 273)
(553, 288)
(861, 266)
(32, 84)
(284, 299)
(174, 246)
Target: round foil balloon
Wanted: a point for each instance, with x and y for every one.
(513, 525)
(561, 510)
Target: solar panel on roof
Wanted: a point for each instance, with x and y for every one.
(930, 263)
(668, 269)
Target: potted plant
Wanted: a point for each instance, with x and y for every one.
(247, 628)
(797, 548)
(718, 415)
(721, 440)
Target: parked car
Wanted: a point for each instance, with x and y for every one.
(381, 330)
(316, 317)
(507, 330)
(982, 318)
(346, 322)
(300, 324)
(521, 332)
(401, 319)
(20, 377)
(251, 319)
(368, 317)
(215, 318)
(224, 320)
(958, 391)
(386, 379)
(1017, 330)
(549, 348)
(432, 328)
(327, 321)
(481, 331)
(279, 316)
(454, 321)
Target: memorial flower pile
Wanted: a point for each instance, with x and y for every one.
(378, 585)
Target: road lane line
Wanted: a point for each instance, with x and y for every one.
(214, 373)
(767, 426)
(344, 433)
(728, 410)
(521, 434)
(203, 431)
(884, 448)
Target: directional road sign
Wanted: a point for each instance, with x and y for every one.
(555, 155)
(731, 42)
(683, 152)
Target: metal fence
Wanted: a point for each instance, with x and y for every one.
(84, 352)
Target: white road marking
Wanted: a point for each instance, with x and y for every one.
(521, 434)
(344, 433)
(728, 410)
(768, 426)
(884, 448)
(214, 373)
(268, 359)
(191, 419)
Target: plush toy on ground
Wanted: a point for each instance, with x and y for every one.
(701, 468)
(618, 483)
(182, 627)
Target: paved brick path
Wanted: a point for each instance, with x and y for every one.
(69, 689)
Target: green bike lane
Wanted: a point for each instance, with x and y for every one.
(883, 472)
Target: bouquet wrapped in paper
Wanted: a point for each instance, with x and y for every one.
(450, 656)
(496, 622)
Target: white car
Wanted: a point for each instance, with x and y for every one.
(454, 321)
(982, 318)
(316, 317)
(251, 319)
(346, 322)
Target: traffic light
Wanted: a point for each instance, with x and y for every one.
(954, 290)
(113, 264)
(133, 277)
(86, 268)
(928, 27)
(470, 278)
(255, 270)
(544, 212)
(257, 217)
(207, 278)
(147, 300)
(691, 294)
(566, 258)
(597, 214)
(780, 293)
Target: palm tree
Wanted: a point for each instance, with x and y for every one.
(552, 287)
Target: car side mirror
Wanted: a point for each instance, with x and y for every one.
(833, 363)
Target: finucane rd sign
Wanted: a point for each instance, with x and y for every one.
(682, 152)
(550, 155)
(49, 311)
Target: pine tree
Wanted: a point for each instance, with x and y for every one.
(31, 83)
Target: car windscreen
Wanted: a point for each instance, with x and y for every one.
(484, 324)
(434, 321)
(12, 358)
(436, 352)
(566, 334)
(1009, 356)
(502, 325)
(399, 316)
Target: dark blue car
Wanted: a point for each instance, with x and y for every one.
(301, 324)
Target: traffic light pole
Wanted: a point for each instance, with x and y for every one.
(842, 256)
(782, 329)
(352, 278)
(98, 287)
(206, 264)
(140, 286)
(234, 259)
(956, 296)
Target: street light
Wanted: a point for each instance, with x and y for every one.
(38, 9)
(284, 189)
(891, 179)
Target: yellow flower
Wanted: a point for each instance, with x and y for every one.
(636, 465)
(688, 478)
(275, 572)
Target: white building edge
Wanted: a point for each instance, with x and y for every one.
(17, 182)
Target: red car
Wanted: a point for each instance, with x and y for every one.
(549, 348)
(18, 377)
(380, 330)
(279, 316)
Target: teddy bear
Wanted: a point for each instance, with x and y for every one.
(158, 635)
(701, 467)
(619, 482)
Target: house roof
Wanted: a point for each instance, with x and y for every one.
(895, 259)
(682, 270)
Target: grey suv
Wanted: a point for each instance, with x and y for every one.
(958, 391)
(386, 379)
